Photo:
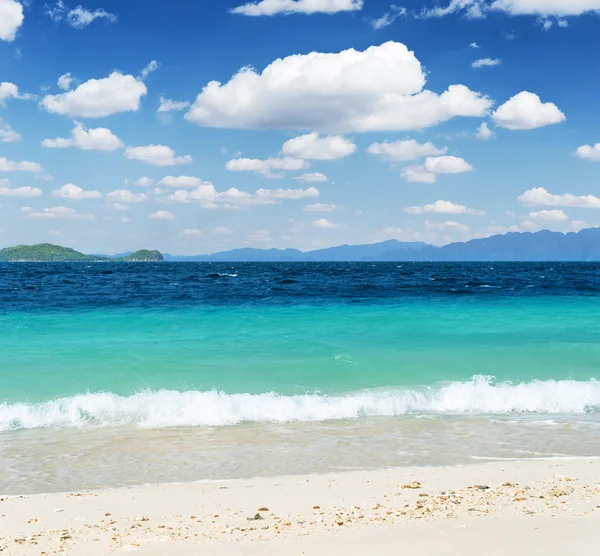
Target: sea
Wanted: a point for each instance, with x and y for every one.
(116, 374)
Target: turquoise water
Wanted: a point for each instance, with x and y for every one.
(297, 349)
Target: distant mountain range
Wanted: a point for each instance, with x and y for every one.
(527, 246)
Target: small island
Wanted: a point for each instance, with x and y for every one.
(48, 253)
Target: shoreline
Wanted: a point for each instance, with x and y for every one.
(310, 512)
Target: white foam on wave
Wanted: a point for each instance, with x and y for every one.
(167, 408)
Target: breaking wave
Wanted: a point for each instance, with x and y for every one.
(168, 408)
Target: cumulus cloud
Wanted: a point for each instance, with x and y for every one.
(144, 182)
(78, 17)
(549, 216)
(191, 232)
(324, 223)
(446, 227)
(418, 174)
(486, 63)
(447, 165)
(10, 90)
(8, 134)
(443, 207)
(405, 150)
(73, 192)
(182, 181)
(484, 132)
(381, 88)
(157, 155)
(540, 196)
(287, 7)
(320, 207)
(97, 98)
(97, 139)
(313, 177)
(57, 212)
(167, 105)
(20, 191)
(162, 215)
(11, 18)
(64, 81)
(388, 17)
(475, 45)
(126, 196)
(269, 168)
(589, 152)
(314, 147)
(207, 195)
(527, 111)
(24, 166)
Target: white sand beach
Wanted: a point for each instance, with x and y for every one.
(545, 507)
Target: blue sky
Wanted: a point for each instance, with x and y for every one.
(295, 123)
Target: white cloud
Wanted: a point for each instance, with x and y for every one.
(446, 227)
(64, 81)
(8, 134)
(475, 45)
(144, 182)
(78, 17)
(313, 177)
(417, 174)
(404, 150)
(126, 196)
(287, 7)
(10, 90)
(268, 168)
(158, 155)
(320, 207)
(313, 147)
(484, 132)
(209, 197)
(56, 212)
(191, 232)
(486, 63)
(447, 165)
(182, 181)
(378, 89)
(125, 220)
(526, 111)
(549, 216)
(589, 152)
(151, 67)
(388, 17)
(220, 231)
(20, 191)
(24, 166)
(11, 18)
(167, 105)
(443, 207)
(324, 223)
(162, 215)
(542, 8)
(96, 139)
(539, 196)
(97, 98)
(73, 192)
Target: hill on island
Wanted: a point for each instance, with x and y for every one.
(48, 253)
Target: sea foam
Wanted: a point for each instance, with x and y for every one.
(168, 408)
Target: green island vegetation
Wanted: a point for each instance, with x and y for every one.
(48, 253)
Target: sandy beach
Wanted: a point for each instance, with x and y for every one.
(528, 507)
